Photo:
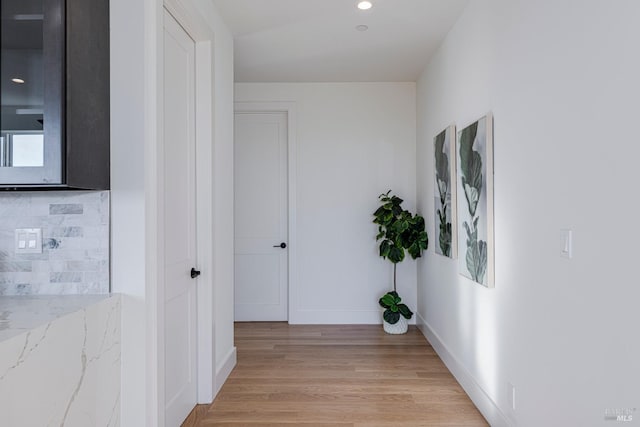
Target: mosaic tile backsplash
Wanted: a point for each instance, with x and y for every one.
(75, 243)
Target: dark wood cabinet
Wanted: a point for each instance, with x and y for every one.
(55, 94)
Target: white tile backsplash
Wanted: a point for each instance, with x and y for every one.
(75, 243)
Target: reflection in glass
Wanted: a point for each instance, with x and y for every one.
(21, 83)
(23, 150)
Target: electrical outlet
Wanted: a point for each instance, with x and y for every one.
(28, 241)
(511, 389)
(566, 243)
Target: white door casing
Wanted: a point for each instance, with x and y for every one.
(261, 216)
(178, 205)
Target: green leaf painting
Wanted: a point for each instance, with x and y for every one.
(473, 151)
(476, 257)
(471, 167)
(443, 189)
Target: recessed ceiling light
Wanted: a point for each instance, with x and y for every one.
(362, 27)
(17, 80)
(365, 5)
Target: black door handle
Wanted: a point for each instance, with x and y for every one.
(281, 245)
(194, 273)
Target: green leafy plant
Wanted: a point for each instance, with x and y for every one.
(471, 168)
(443, 181)
(394, 308)
(399, 231)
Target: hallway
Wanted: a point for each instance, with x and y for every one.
(353, 375)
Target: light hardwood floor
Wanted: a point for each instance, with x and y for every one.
(354, 375)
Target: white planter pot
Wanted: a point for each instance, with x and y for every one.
(400, 327)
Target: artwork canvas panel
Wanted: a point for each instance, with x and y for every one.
(475, 201)
(444, 192)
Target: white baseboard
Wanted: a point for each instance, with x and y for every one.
(337, 317)
(224, 370)
(479, 397)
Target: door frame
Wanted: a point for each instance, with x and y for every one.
(289, 108)
(196, 27)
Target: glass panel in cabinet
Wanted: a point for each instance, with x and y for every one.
(31, 93)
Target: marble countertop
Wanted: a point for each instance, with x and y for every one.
(20, 314)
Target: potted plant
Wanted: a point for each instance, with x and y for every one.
(399, 232)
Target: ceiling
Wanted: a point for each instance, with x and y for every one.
(316, 40)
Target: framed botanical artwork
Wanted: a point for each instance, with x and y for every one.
(475, 201)
(444, 192)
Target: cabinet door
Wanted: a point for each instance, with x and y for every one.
(31, 92)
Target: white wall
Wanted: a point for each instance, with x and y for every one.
(223, 240)
(128, 246)
(354, 141)
(224, 355)
(561, 78)
(135, 29)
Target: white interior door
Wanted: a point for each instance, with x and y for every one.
(179, 213)
(261, 285)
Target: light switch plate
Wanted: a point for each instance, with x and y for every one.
(28, 240)
(566, 243)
